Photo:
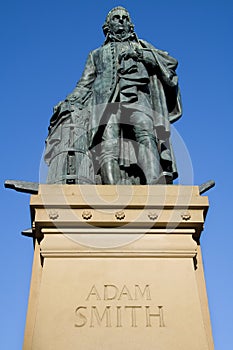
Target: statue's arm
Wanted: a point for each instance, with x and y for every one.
(83, 89)
(79, 95)
(159, 62)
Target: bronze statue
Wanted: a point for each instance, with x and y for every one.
(114, 128)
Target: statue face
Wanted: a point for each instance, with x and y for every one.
(119, 22)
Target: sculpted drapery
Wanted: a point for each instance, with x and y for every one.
(115, 125)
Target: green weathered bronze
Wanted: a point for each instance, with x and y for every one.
(114, 128)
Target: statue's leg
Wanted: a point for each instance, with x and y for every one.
(148, 155)
(109, 166)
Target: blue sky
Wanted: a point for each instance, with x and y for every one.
(44, 46)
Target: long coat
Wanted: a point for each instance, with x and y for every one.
(100, 80)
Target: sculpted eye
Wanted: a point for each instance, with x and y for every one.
(115, 18)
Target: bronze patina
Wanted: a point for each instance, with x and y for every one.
(114, 128)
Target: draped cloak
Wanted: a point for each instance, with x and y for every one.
(97, 90)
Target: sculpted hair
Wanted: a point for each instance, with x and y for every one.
(105, 26)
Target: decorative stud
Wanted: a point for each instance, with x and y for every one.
(53, 214)
(87, 215)
(120, 215)
(152, 216)
(186, 215)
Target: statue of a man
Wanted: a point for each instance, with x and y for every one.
(124, 103)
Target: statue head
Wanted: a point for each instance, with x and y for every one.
(118, 22)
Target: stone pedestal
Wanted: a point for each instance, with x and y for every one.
(117, 267)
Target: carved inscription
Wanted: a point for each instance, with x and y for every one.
(136, 308)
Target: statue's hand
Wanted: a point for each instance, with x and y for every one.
(71, 98)
(128, 54)
(57, 107)
(61, 107)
